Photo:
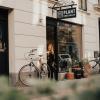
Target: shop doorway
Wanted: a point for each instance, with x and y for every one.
(4, 63)
(66, 38)
(51, 30)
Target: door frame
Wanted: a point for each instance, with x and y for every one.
(99, 32)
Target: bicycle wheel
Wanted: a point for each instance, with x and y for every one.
(44, 70)
(95, 66)
(27, 74)
(92, 63)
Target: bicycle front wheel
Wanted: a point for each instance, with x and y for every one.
(27, 74)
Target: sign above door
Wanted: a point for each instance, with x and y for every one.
(66, 13)
(64, 8)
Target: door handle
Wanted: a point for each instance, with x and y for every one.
(4, 48)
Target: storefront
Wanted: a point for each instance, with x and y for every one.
(66, 38)
(29, 27)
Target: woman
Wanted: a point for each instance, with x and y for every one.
(51, 60)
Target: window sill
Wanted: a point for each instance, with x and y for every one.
(97, 7)
(84, 11)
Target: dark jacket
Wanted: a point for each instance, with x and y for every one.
(50, 59)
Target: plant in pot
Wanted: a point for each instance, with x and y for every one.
(77, 69)
(62, 71)
(69, 74)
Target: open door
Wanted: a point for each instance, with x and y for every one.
(4, 65)
(51, 36)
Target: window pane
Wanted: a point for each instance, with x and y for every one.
(69, 40)
(80, 4)
(84, 4)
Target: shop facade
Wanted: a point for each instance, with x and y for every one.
(32, 24)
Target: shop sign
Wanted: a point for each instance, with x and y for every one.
(66, 13)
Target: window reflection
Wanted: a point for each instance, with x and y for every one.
(69, 39)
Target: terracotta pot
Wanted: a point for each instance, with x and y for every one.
(70, 75)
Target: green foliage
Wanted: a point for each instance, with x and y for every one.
(9, 93)
(83, 89)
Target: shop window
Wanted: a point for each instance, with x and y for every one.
(83, 5)
(70, 40)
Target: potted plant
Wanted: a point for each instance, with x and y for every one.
(69, 75)
(77, 68)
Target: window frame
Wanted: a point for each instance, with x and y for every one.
(83, 5)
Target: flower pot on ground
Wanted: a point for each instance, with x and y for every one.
(69, 75)
(61, 76)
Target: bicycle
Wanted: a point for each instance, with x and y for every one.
(30, 71)
(95, 64)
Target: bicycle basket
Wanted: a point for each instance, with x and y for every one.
(30, 56)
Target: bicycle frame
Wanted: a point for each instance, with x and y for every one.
(35, 66)
(31, 64)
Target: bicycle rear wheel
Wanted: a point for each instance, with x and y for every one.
(95, 66)
(27, 74)
(44, 71)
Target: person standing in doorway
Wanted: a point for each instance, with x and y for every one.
(51, 61)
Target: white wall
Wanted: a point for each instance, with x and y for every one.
(26, 32)
(29, 32)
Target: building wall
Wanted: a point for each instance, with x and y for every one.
(29, 31)
(27, 28)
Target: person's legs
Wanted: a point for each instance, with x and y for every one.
(55, 74)
(50, 73)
